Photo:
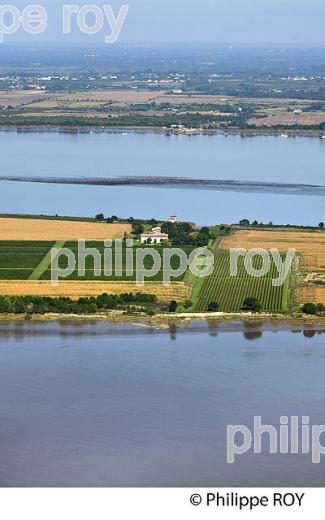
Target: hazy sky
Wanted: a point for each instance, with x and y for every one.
(230, 21)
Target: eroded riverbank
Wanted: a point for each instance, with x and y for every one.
(183, 322)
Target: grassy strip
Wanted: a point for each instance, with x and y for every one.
(196, 284)
(46, 262)
(286, 294)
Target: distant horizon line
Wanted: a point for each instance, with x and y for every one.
(83, 43)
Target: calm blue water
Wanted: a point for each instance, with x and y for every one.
(296, 160)
(102, 405)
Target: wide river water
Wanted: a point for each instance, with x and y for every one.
(260, 158)
(99, 405)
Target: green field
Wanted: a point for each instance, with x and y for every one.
(31, 260)
(230, 292)
(89, 264)
(28, 260)
(18, 259)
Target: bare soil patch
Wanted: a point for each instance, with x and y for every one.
(129, 96)
(305, 119)
(16, 98)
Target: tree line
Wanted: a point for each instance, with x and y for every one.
(64, 305)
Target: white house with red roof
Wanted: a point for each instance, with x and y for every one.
(155, 236)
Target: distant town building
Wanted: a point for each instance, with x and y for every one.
(172, 218)
(155, 236)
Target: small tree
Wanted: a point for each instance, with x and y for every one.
(4, 304)
(252, 305)
(321, 225)
(213, 307)
(100, 216)
(172, 306)
(188, 304)
(244, 222)
(138, 229)
(309, 308)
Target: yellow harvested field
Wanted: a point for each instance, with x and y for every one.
(313, 263)
(177, 291)
(38, 229)
(310, 244)
(311, 247)
(310, 294)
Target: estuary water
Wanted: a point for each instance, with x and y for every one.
(91, 404)
(258, 158)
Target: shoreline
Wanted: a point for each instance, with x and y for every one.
(251, 329)
(164, 321)
(247, 132)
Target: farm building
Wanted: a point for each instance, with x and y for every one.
(172, 219)
(155, 236)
